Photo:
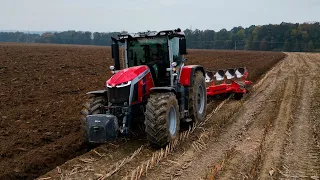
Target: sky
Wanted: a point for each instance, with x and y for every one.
(142, 15)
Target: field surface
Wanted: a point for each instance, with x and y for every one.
(42, 89)
(272, 134)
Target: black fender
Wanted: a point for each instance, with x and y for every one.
(99, 92)
(162, 89)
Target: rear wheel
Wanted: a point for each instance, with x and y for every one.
(198, 97)
(93, 106)
(162, 119)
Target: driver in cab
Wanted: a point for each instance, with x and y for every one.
(160, 54)
(158, 59)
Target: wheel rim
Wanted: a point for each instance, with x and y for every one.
(172, 120)
(200, 99)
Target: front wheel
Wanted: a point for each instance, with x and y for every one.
(92, 107)
(162, 119)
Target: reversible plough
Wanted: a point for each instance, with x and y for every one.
(237, 78)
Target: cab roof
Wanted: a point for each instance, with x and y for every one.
(175, 33)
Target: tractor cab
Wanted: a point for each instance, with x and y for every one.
(157, 50)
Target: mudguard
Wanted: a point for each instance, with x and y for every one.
(101, 128)
(187, 74)
(99, 92)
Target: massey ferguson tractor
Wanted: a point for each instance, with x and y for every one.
(154, 83)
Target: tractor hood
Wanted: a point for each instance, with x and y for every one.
(125, 76)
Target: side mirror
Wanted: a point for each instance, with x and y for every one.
(183, 46)
(113, 48)
(115, 53)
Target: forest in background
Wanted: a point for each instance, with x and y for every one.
(287, 37)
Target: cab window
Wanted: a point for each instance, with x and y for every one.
(175, 50)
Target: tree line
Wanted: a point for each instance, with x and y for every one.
(280, 37)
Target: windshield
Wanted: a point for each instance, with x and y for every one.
(142, 51)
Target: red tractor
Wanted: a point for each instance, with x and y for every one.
(154, 83)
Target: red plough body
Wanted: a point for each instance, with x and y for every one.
(238, 83)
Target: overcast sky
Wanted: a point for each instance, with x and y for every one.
(141, 15)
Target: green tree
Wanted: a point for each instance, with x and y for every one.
(240, 35)
(248, 45)
(296, 46)
(285, 37)
(222, 38)
(264, 45)
(287, 46)
(310, 46)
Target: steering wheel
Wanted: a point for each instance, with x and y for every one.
(142, 62)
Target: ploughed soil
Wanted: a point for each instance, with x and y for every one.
(274, 133)
(42, 89)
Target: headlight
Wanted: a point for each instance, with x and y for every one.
(119, 85)
(124, 84)
(108, 85)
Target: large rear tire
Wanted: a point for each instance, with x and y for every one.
(198, 97)
(93, 106)
(162, 119)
